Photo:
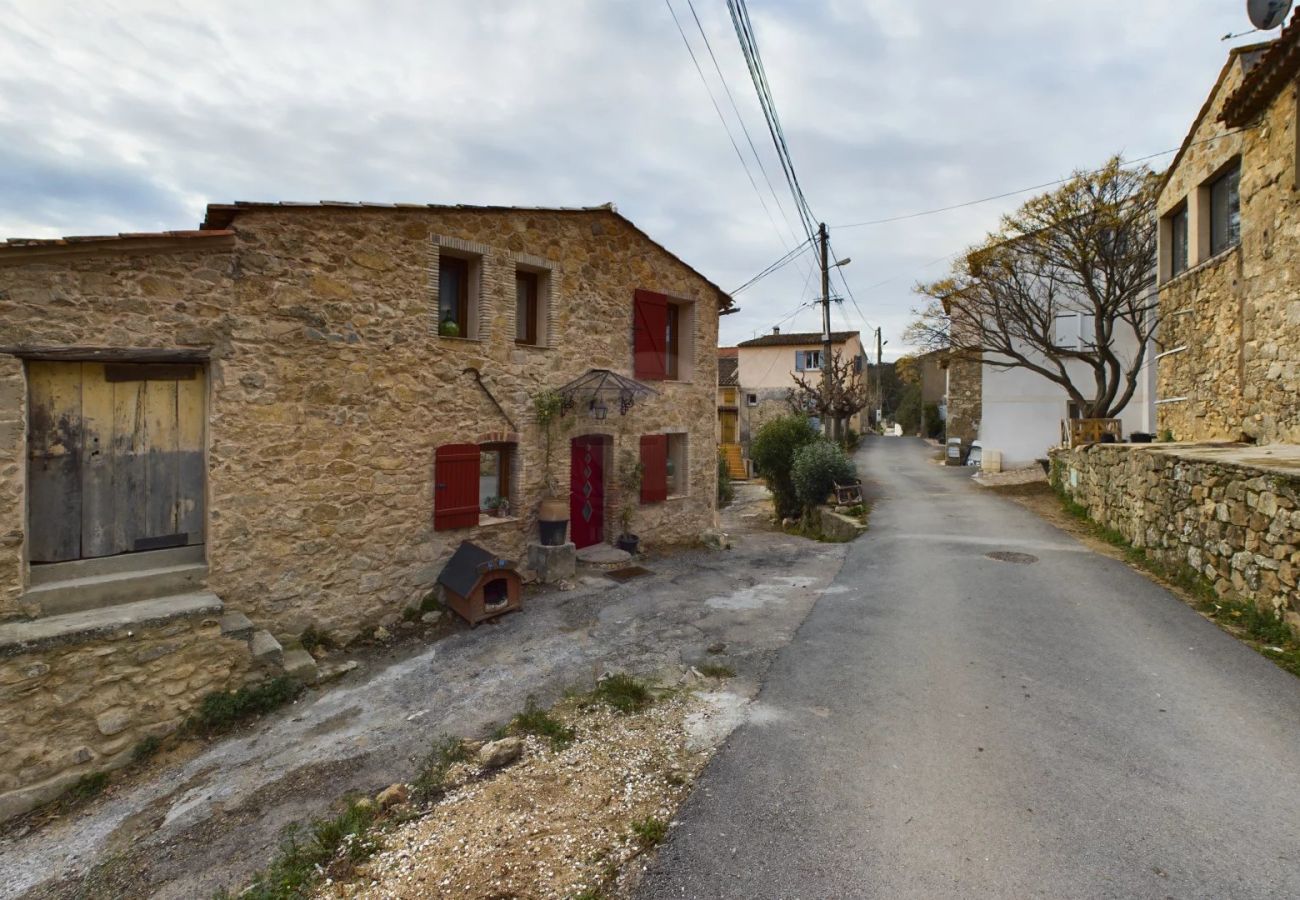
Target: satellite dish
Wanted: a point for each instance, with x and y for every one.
(1267, 14)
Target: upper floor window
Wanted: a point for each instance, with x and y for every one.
(1225, 210)
(527, 307)
(661, 332)
(457, 279)
(807, 360)
(1177, 232)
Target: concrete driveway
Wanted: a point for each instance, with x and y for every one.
(209, 822)
(950, 724)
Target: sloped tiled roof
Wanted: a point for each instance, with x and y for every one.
(1275, 68)
(796, 338)
(221, 215)
(728, 371)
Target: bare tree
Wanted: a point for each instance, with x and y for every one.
(837, 398)
(1085, 249)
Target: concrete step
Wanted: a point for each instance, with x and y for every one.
(100, 591)
(23, 637)
(47, 573)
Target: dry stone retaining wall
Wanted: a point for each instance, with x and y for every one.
(68, 708)
(1236, 524)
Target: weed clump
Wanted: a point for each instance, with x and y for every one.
(716, 670)
(87, 787)
(328, 845)
(541, 723)
(623, 692)
(650, 831)
(146, 748)
(430, 782)
(221, 711)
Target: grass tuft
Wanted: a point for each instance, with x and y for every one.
(650, 831)
(540, 722)
(221, 711)
(87, 787)
(146, 748)
(430, 782)
(716, 670)
(623, 692)
(313, 638)
(329, 845)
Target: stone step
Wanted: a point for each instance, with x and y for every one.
(267, 651)
(603, 556)
(100, 591)
(301, 666)
(46, 573)
(238, 626)
(24, 637)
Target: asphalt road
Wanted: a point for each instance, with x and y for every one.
(945, 724)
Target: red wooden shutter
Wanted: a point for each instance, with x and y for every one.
(654, 460)
(650, 335)
(455, 488)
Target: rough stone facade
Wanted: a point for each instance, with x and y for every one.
(965, 397)
(330, 388)
(1231, 513)
(1230, 323)
(68, 708)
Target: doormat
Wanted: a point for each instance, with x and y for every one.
(627, 573)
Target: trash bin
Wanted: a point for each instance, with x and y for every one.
(954, 455)
(974, 454)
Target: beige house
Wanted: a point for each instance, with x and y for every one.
(290, 418)
(770, 364)
(732, 417)
(1229, 212)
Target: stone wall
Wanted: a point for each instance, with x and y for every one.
(1229, 512)
(70, 707)
(1230, 325)
(965, 398)
(331, 389)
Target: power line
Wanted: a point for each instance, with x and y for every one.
(723, 120)
(1025, 190)
(741, 119)
(785, 260)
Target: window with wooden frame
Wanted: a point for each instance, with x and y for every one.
(528, 308)
(454, 274)
(1225, 209)
(1177, 234)
(662, 331)
(495, 471)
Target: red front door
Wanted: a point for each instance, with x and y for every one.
(587, 490)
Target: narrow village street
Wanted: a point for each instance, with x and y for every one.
(950, 724)
(186, 830)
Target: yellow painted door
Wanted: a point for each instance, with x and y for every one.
(116, 459)
(727, 427)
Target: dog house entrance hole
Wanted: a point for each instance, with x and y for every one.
(496, 594)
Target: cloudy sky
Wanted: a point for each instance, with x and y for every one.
(130, 116)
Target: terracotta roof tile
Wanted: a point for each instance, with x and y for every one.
(1273, 70)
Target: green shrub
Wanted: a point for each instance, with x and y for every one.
(772, 451)
(818, 467)
(932, 424)
(908, 413)
(726, 492)
(221, 711)
(430, 781)
(337, 843)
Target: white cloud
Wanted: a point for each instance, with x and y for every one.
(130, 115)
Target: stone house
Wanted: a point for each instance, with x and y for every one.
(1230, 256)
(298, 412)
(769, 365)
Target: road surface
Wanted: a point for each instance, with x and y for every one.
(947, 724)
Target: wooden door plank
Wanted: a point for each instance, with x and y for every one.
(97, 496)
(54, 449)
(191, 411)
(163, 474)
(130, 465)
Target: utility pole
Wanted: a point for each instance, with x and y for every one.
(880, 390)
(826, 325)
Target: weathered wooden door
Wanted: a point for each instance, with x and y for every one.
(115, 458)
(587, 490)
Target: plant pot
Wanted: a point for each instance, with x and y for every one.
(552, 521)
(627, 543)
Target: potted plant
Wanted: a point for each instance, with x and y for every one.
(497, 506)
(552, 511)
(448, 326)
(630, 473)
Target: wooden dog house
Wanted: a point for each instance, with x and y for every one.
(480, 585)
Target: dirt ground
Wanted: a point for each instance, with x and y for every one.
(206, 820)
(560, 822)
